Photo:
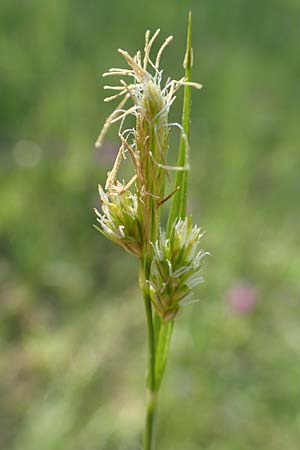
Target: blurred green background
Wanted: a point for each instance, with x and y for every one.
(72, 336)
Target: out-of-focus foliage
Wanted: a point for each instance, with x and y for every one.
(72, 333)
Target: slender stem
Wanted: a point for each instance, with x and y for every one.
(149, 443)
(151, 383)
(151, 343)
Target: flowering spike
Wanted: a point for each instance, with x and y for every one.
(175, 270)
(119, 221)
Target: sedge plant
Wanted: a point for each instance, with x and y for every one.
(169, 254)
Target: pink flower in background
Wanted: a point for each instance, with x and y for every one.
(242, 298)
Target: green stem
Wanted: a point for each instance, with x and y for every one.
(149, 443)
(150, 413)
(151, 383)
(151, 343)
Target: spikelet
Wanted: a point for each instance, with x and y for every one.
(176, 268)
(118, 220)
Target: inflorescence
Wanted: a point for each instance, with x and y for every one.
(131, 219)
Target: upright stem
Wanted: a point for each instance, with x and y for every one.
(150, 422)
(159, 343)
(151, 383)
(151, 343)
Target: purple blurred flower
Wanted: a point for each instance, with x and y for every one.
(242, 298)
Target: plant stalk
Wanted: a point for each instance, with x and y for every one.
(151, 382)
(159, 333)
(149, 438)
